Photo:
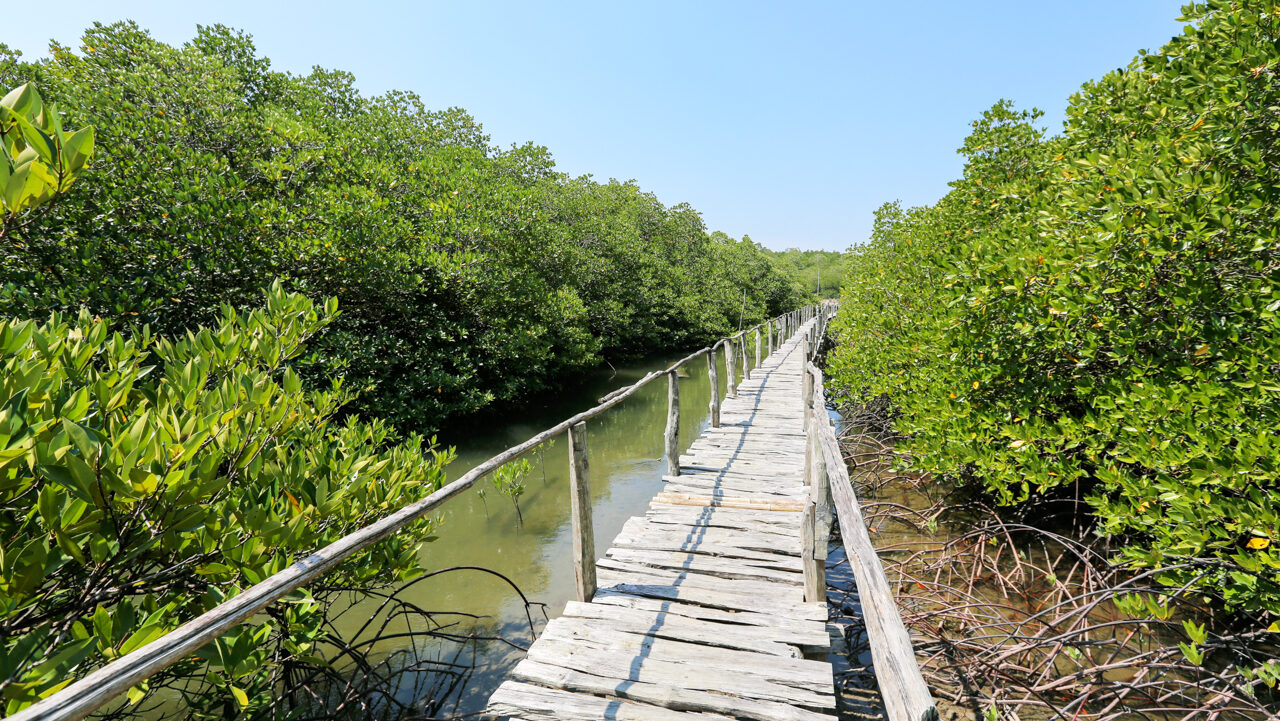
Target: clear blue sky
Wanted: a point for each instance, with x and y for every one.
(789, 122)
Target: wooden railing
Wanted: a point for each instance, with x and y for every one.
(902, 688)
(81, 698)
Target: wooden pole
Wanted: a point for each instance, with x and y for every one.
(713, 374)
(819, 490)
(584, 537)
(813, 592)
(746, 367)
(806, 383)
(673, 424)
(768, 329)
(731, 367)
(758, 349)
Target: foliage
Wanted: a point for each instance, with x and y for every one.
(1094, 314)
(467, 274)
(38, 159)
(144, 480)
(509, 479)
(819, 271)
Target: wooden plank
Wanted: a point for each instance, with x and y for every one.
(706, 540)
(806, 633)
(675, 698)
(786, 591)
(746, 489)
(689, 562)
(709, 501)
(744, 519)
(663, 624)
(622, 664)
(651, 585)
(670, 544)
(790, 670)
(517, 700)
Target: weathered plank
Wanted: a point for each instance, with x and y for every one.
(801, 632)
(664, 624)
(538, 703)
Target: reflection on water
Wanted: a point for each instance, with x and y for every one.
(625, 448)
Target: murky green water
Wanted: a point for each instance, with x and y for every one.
(533, 548)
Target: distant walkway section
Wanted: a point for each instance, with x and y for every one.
(700, 611)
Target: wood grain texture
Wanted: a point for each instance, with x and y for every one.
(584, 536)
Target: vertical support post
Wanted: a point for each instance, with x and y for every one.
(758, 359)
(731, 367)
(813, 591)
(820, 493)
(806, 386)
(746, 367)
(768, 330)
(713, 374)
(584, 537)
(673, 424)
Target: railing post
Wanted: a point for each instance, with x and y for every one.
(819, 489)
(584, 537)
(758, 359)
(768, 330)
(813, 590)
(731, 367)
(806, 383)
(746, 367)
(673, 424)
(713, 374)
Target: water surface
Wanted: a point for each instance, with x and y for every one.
(532, 547)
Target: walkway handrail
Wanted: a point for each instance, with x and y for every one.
(902, 688)
(81, 698)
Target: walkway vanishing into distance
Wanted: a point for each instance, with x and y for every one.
(711, 606)
(701, 607)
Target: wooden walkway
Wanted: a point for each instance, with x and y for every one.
(700, 611)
